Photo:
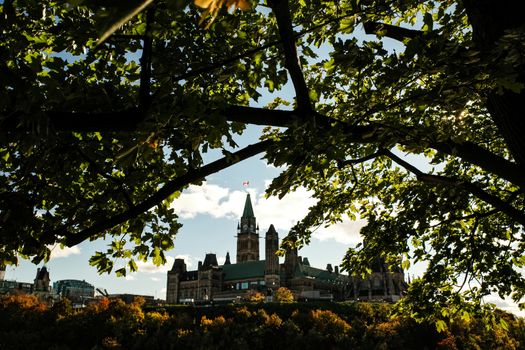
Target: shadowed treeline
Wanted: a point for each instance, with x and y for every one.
(25, 323)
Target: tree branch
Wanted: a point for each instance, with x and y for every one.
(342, 163)
(145, 63)
(485, 159)
(248, 53)
(100, 171)
(281, 9)
(174, 185)
(473, 189)
(128, 120)
(390, 31)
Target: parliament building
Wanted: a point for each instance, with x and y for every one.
(234, 281)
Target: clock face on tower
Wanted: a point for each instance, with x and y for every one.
(244, 227)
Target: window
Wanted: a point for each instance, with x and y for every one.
(244, 285)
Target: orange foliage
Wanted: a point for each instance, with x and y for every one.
(328, 322)
(23, 302)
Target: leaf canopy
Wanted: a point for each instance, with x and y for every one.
(97, 141)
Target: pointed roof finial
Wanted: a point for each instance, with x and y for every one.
(227, 261)
(248, 210)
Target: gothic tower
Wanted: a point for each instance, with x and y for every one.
(290, 262)
(174, 276)
(42, 280)
(271, 267)
(247, 235)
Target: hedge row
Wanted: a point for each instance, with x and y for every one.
(27, 324)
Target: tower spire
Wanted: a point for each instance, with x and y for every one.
(248, 209)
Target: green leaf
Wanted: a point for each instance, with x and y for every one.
(441, 326)
(121, 272)
(125, 11)
(132, 265)
(428, 21)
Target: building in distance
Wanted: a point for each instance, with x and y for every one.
(78, 292)
(230, 282)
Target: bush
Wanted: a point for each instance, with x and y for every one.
(283, 295)
(28, 324)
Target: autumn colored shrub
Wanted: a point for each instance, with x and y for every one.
(255, 296)
(113, 324)
(329, 329)
(283, 295)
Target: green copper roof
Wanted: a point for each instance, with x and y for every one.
(308, 271)
(248, 210)
(248, 269)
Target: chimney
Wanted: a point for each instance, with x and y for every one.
(329, 268)
(336, 269)
(199, 265)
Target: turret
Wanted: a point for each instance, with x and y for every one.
(306, 261)
(179, 266)
(41, 282)
(290, 262)
(173, 283)
(272, 245)
(271, 266)
(227, 260)
(210, 260)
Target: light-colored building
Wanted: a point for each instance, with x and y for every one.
(227, 282)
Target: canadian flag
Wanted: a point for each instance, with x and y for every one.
(246, 183)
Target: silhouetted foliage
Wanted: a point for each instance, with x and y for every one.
(25, 323)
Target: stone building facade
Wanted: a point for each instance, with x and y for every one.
(227, 282)
(40, 286)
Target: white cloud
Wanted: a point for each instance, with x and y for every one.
(221, 202)
(155, 279)
(505, 304)
(129, 278)
(221, 260)
(149, 267)
(208, 199)
(346, 232)
(283, 213)
(58, 252)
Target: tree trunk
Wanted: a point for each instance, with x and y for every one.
(490, 19)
